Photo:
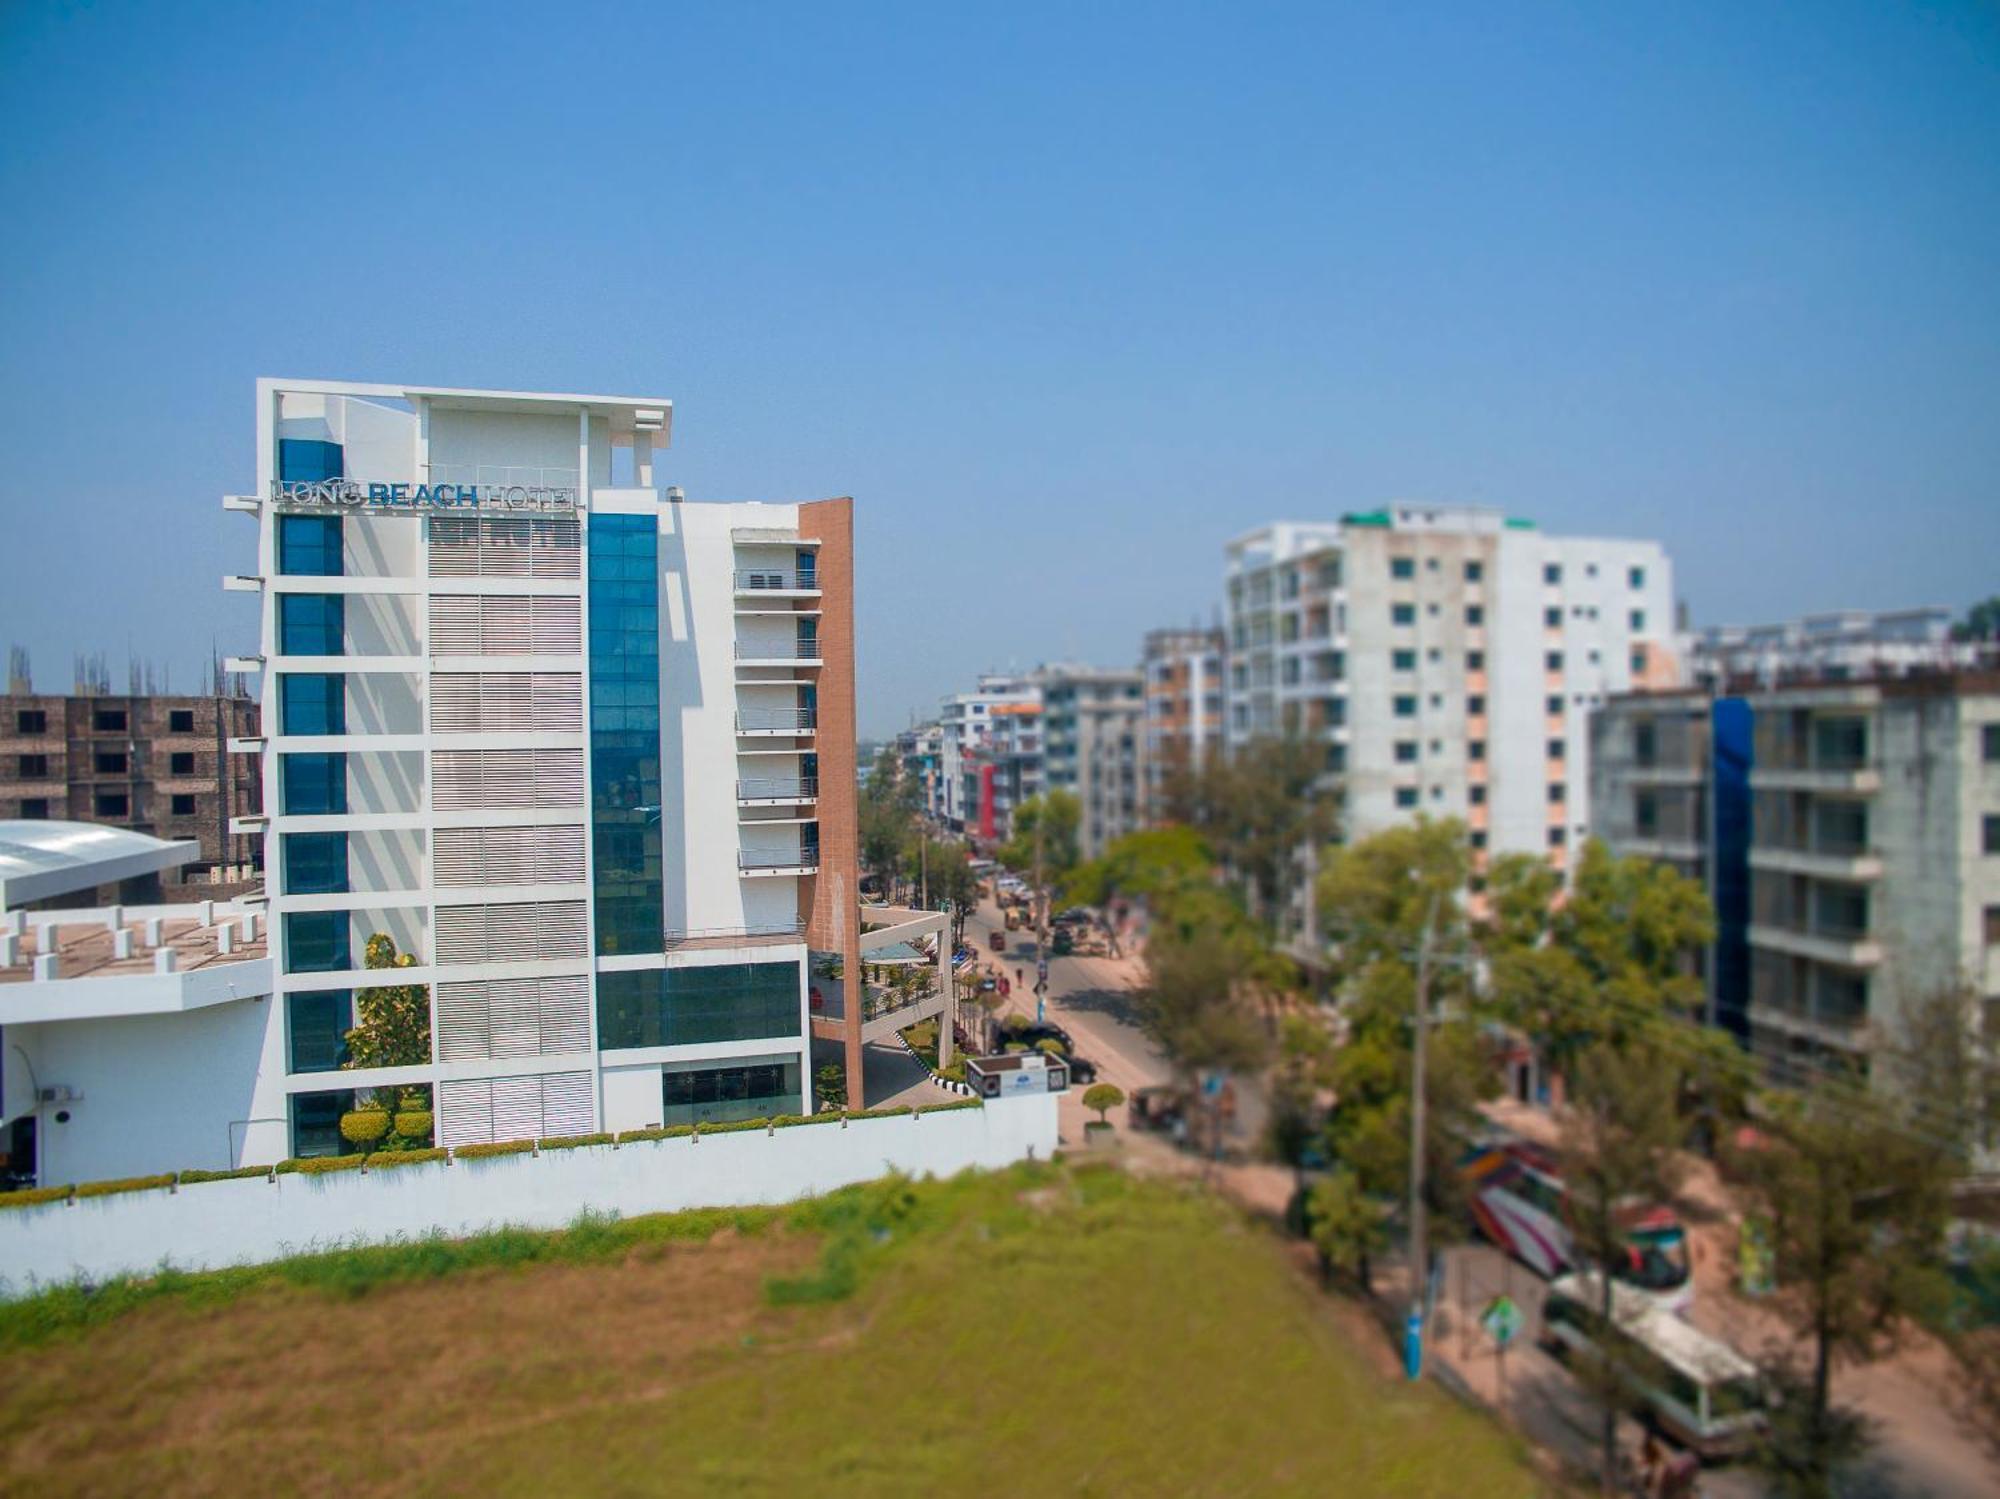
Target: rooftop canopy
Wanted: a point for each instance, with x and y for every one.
(39, 859)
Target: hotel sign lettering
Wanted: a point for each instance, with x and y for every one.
(423, 499)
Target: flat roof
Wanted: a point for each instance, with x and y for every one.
(41, 858)
(622, 412)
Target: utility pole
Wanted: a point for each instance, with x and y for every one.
(1413, 1329)
(1041, 914)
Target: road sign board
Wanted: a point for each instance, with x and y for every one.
(1502, 1320)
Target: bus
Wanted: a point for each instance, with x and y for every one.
(1696, 1389)
(1519, 1202)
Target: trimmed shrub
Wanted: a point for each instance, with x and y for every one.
(32, 1195)
(787, 1121)
(414, 1124)
(320, 1165)
(383, 1158)
(735, 1126)
(901, 1108)
(191, 1178)
(955, 1072)
(1050, 1046)
(364, 1126)
(493, 1148)
(1100, 1098)
(571, 1142)
(124, 1184)
(656, 1132)
(946, 1108)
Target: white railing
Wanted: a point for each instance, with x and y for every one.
(763, 858)
(778, 719)
(722, 936)
(777, 580)
(798, 786)
(778, 650)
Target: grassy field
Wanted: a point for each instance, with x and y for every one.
(1043, 1330)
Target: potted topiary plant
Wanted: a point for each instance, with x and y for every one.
(1100, 1098)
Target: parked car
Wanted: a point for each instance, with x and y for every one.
(1062, 944)
(1082, 1070)
(1074, 916)
(998, 941)
(1038, 1031)
(1156, 1107)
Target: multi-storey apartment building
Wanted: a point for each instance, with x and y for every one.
(1184, 709)
(1670, 781)
(154, 764)
(584, 750)
(962, 723)
(1874, 861)
(1447, 657)
(1826, 647)
(1003, 768)
(1092, 724)
(917, 751)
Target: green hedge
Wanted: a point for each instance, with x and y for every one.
(383, 1158)
(655, 1132)
(946, 1108)
(788, 1121)
(735, 1126)
(901, 1108)
(571, 1142)
(33, 1195)
(493, 1148)
(320, 1165)
(192, 1178)
(125, 1184)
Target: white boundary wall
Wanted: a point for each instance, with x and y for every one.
(250, 1220)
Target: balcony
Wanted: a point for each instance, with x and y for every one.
(777, 582)
(771, 935)
(778, 653)
(1841, 947)
(768, 722)
(754, 863)
(1860, 776)
(784, 536)
(777, 791)
(1827, 860)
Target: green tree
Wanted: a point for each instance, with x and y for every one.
(392, 1024)
(1195, 1002)
(1154, 863)
(1620, 1134)
(1259, 808)
(1348, 1227)
(1042, 837)
(1857, 1198)
(1981, 622)
(830, 1087)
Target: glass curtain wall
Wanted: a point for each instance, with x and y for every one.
(625, 732)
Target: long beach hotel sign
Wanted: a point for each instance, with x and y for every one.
(422, 499)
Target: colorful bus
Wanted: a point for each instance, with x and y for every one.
(1520, 1203)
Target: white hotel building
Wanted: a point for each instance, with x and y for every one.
(582, 751)
(1448, 659)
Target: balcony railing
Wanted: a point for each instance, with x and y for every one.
(776, 580)
(777, 650)
(778, 788)
(736, 936)
(764, 858)
(776, 720)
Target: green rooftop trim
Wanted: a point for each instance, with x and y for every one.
(1366, 518)
(1519, 523)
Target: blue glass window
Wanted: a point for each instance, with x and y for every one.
(316, 1123)
(311, 624)
(712, 1095)
(306, 460)
(309, 546)
(625, 732)
(318, 1021)
(315, 863)
(313, 704)
(312, 785)
(680, 1006)
(316, 942)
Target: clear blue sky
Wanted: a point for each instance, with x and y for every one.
(1064, 296)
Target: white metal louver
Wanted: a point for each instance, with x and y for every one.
(506, 625)
(469, 780)
(475, 1111)
(510, 932)
(506, 702)
(464, 857)
(504, 547)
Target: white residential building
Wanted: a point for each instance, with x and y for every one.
(1448, 658)
(963, 722)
